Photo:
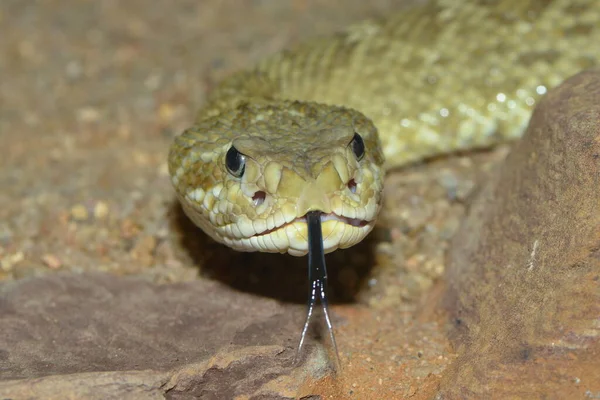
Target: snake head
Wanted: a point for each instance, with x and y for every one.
(249, 176)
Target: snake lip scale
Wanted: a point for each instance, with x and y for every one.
(346, 220)
(324, 217)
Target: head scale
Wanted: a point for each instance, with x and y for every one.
(252, 174)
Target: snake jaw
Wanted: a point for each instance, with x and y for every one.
(355, 222)
(338, 232)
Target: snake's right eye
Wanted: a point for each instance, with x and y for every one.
(358, 146)
(235, 162)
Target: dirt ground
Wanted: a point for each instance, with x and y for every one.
(91, 95)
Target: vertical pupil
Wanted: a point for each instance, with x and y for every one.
(358, 146)
(235, 162)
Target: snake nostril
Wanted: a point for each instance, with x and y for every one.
(352, 185)
(259, 198)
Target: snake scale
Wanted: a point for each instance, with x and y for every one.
(316, 127)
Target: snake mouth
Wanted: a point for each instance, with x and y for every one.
(355, 222)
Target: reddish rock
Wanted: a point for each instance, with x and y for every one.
(524, 269)
(98, 336)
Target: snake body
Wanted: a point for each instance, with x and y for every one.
(315, 127)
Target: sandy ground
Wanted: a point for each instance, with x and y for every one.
(92, 94)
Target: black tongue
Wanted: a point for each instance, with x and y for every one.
(317, 277)
(316, 255)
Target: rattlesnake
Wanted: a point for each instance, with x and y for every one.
(316, 127)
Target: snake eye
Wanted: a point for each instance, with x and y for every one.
(358, 146)
(235, 162)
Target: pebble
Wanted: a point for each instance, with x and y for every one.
(101, 210)
(166, 112)
(7, 263)
(51, 261)
(79, 212)
(88, 114)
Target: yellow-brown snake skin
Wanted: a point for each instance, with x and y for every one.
(445, 76)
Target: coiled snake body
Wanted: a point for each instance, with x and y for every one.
(309, 129)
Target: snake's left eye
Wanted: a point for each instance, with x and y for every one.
(235, 162)
(358, 146)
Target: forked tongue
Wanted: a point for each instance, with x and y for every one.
(317, 278)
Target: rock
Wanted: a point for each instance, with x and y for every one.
(524, 269)
(98, 336)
